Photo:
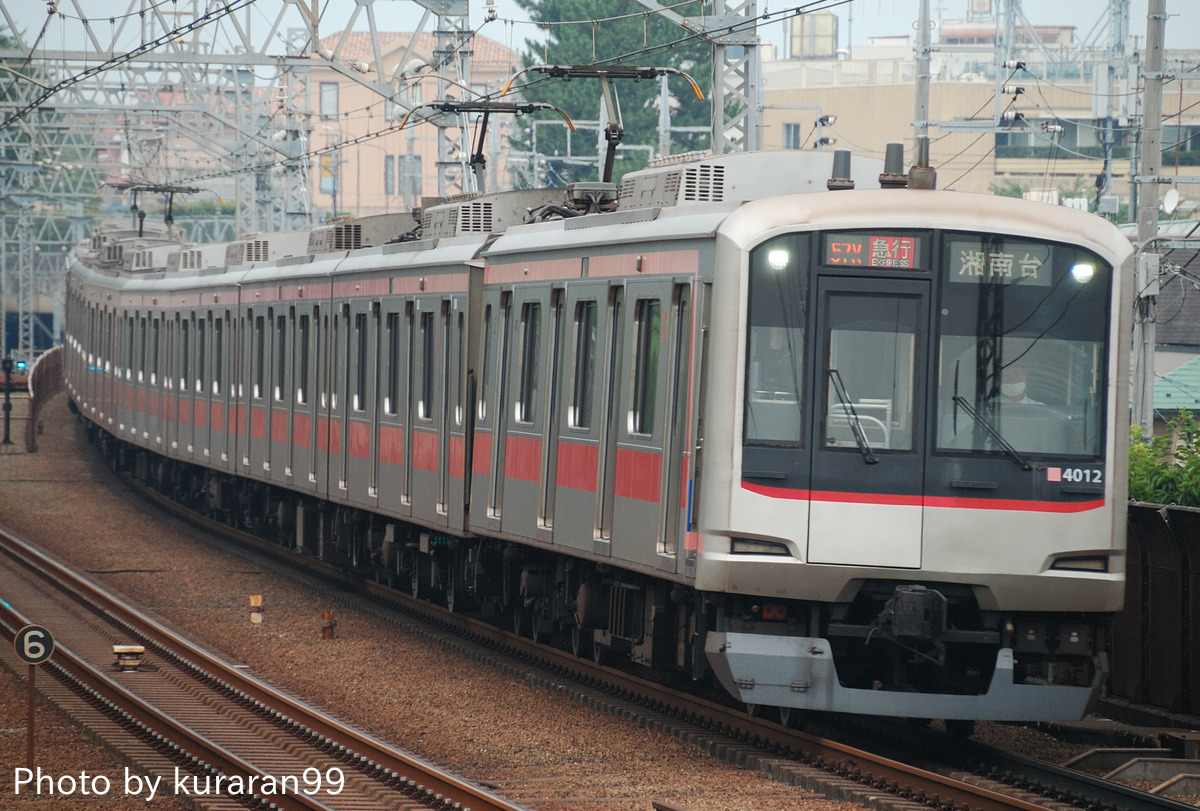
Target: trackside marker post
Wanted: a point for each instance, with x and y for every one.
(33, 644)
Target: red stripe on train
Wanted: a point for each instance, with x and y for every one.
(301, 430)
(425, 451)
(523, 458)
(638, 475)
(456, 464)
(481, 462)
(577, 466)
(258, 422)
(391, 445)
(924, 501)
(358, 442)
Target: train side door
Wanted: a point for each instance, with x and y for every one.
(324, 345)
(340, 344)
(255, 453)
(157, 389)
(391, 437)
(428, 423)
(218, 413)
(610, 413)
(360, 398)
(183, 411)
(497, 398)
(304, 425)
(522, 416)
(578, 418)
(643, 475)
(868, 441)
(454, 445)
(202, 436)
(548, 489)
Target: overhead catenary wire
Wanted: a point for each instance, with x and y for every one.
(688, 38)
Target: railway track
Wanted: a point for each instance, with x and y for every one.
(957, 774)
(197, 725)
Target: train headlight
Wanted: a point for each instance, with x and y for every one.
(1083, 272)
(749, 546)
(778, 259)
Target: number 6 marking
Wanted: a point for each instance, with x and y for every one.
(33, 644)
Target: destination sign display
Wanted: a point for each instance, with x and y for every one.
(973, 261)
(867, 250)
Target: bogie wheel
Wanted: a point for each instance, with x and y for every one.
(791, 718)
(415, 579)
(582, 642)
(540, 627)
(960, 728)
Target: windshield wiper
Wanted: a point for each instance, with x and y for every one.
(860, 436)
(992, 432)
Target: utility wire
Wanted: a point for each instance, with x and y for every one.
(144, 48)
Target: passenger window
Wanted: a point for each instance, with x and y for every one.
(201, 333)
(461, 338)
(531, 330)
(360, 383)
(425, 402)
(648, 328)
(218, 354)
(579, 413)
(280, 357)
(303, 338)
(487, 360)
(259, 356)
(185, 356)
(391, 403)
(154, 338)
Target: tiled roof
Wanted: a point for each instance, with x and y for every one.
(357, 48)
(1180, 388)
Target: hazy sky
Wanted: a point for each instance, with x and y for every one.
(860, 18)
(884, 17)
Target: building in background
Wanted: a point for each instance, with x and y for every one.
(1075, 106)
(394, 171)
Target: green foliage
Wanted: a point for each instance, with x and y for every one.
(624, 33)
(1007, 188)
(204, 208)
(1165, 469)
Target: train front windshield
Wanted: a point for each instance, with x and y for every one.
(1021, 346)
(963, 343)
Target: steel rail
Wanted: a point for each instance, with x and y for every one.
(152, 724)
(421, 780)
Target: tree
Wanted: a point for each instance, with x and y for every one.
(1007, 188)
(1165, 469)
(609, 32)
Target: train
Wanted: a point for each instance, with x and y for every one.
(793, 425)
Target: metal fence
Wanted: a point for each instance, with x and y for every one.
(1157, 636)
(45, 378)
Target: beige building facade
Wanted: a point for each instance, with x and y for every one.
(366, 163)
(873, 99)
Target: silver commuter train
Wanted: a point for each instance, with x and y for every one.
(860, 451)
